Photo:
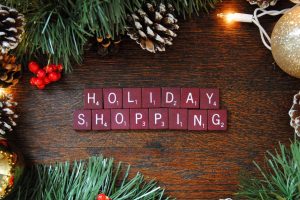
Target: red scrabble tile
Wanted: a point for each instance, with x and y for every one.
(93, 99)
(82, 120)
(190, 97)
(132, 98)
(178, 119)
(101, 119)
(158, 118)
(197, 120)
(209, 98)
(139, 119)
(170, 97)
(151, 97)
(120, 119)
(217, 120)
(112, 98)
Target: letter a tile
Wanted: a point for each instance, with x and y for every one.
(190, 97)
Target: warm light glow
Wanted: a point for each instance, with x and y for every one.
(228, 17)
(2, 91)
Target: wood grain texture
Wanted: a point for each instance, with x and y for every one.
(191, 165)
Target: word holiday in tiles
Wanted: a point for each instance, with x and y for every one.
(151, 108)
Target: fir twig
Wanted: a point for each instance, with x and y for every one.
(84, 180)
(280, 180)
(58, 29)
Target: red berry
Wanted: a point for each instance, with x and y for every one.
(39, 81)
(54, 76)
(59, 67)
(33, 67)
(41, 73)
(55, 68)
(33, 81)
(41, 87)
(47, 80)
(102, 197)
(49, 68)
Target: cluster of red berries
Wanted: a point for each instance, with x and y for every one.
(44, 76)
(102, 197)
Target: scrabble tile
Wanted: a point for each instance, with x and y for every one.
(151, 97)
(197, 120)
(101, 119)
(93, 99)
(170, 98)
(112, 98)
(139, 119)
(209, 99)
(178, 119)
(82, 120)
(120, 119)
(132, 98)
(158, 118)
(217, 120)
(190, 97)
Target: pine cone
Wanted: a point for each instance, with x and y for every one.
(263, 3)
(10, 72)
(108, 45)
(153, 26)
(11, 28)
(294, 113)
(7, 115)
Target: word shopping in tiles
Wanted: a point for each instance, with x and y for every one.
(151, 108)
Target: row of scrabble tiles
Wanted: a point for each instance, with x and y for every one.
(112, 98)
(154, 118)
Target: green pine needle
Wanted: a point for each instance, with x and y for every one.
(280, 180)
(58, 29)
(84, 180)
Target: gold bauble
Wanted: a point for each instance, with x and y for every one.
(285, 42)
(295, 1)
(11, 168)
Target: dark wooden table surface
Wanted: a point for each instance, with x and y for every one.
(191, 165)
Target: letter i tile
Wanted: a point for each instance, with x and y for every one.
(178, 119)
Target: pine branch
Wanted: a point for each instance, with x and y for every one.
(189, 7)
(280, 180)
(84, 180)
(58, 29)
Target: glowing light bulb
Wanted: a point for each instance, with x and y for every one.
(236, 17)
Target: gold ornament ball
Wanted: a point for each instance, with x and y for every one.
(295, 1)
(285, 42)
(11, 168)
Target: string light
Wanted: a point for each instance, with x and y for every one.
(254, 18)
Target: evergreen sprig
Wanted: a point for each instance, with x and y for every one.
(84, 180)
(58, 29)
(280, 180)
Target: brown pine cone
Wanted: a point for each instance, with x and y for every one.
(10, 71)
(294, 113)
